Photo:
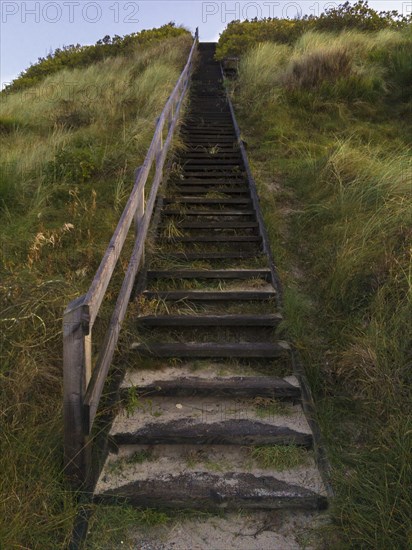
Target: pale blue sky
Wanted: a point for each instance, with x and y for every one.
(31, 29)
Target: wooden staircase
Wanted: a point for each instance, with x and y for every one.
(213, 382)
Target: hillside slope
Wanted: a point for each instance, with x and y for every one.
(326, 120)
(70, 145)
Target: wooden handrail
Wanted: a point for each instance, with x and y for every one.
(82, 384)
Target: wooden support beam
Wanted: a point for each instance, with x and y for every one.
(76, 449)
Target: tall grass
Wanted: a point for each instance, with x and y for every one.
(331, 148)
(70, 148)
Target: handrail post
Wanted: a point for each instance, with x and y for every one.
(76, 450)
(139, 213)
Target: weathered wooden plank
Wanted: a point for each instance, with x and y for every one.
(211, 141)
(205, 154)
(212, 491)
(211, 349)
(186, 190)
(209, 134)
(236, 386)
(214, 238)
(212, 255)
(202, 201)
(210, 295)
(209, 173)
(268, 320)
(209, 273)
(220, 212)
(215, 225)
(223, 432)
(208, 185)
(220, 163)
(76, 450)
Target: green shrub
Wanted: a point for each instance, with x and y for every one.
(397, 62)
(358, 16)
(240, 36)
(75, 165)
(73, 56)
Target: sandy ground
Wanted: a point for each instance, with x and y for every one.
(238, 531)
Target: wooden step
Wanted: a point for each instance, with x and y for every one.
(202, 125)
(199, 295)
(183, 191)
(237, 183)
(207, 139)
(192, 200)
(200, 151)
(211, 141)
(214, 225)
(212, 349)
(211, 420)
(260, 386)
(186, 191)
(210, 274)
(208, 212)
(199, 121)
(195, 115)
(210, 491)
(214, 164)
(268, 320)
(192, 256)
(230, 486)
(212, 173)
(209, 135)
(213, 238)
(208, 132)
(183, 382)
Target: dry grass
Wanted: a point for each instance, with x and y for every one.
(328, 125)
(315, 67)
(279, 458)
(67, 168)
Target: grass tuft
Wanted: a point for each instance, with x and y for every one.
(115, 526)
(279, 457)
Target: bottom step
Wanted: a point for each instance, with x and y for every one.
(204, 490)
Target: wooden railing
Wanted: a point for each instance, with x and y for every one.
(82, 382)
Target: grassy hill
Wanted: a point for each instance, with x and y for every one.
(72, 130)
(326, 116)
(323, 104)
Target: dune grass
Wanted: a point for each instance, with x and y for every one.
(325, 120)
(278, 457)
(70, 145)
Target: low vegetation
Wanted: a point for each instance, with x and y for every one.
(325, 117)
(120, 523)
(240, 36)
(279, 457)
(77, 56)
(70, 145)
